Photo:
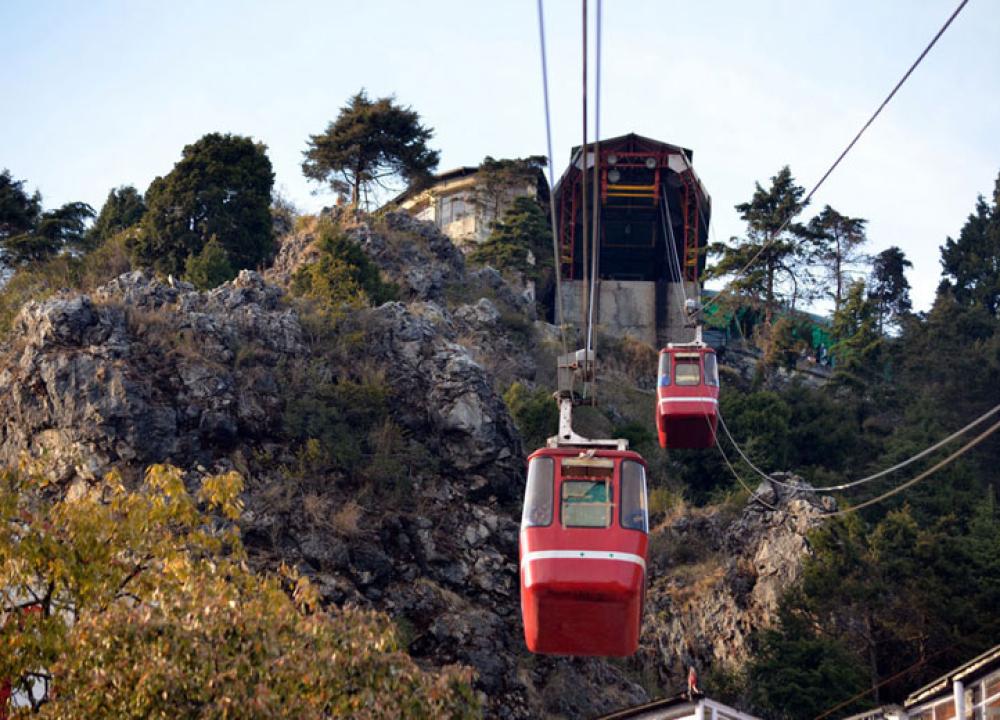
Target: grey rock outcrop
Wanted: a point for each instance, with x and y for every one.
(715, 580)
(442, 392)
(143, 371)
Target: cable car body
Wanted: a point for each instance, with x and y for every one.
(687, 396)
(583, 550)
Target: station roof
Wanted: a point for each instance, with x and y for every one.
(639, 143)
(979, 665)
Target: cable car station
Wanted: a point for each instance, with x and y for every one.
(653, 217)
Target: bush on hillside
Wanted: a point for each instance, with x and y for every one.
(209, 268)
(341, 275)
(535, 413)
(168, 620)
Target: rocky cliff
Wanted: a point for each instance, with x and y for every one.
(419, 517)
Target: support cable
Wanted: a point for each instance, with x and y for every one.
(748, 461)
(560, 316)
(926, 473)
(583, 204)
(596, 221)
(881, 473)
(739, 479)
(843, 154)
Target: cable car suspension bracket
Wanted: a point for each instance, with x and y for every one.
(576, 368)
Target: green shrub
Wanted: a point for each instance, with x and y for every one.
(535, 413)
(209, 268)
(639, 435)
(339, 414)
(342, 274)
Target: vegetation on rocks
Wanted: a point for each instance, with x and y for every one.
(140, 603)
(342, 274)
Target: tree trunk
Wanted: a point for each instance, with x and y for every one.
(837, 262)
(872, 657)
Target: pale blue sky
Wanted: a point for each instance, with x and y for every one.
(98, 94)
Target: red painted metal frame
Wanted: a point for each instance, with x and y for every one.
(690, 210)
(690, 205)
(568, 250)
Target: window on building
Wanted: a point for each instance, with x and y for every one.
(991, 698)
(586, 503)
(452, 209)
(538, 493)
(687, 372)
(944, 710)
(635, 514)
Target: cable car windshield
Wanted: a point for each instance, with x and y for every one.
(538, 493)
(711, 369)
(635, 512)
(586, 503)
(687, 372)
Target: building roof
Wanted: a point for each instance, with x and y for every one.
(977, 666)
(654, 709)
(637, 140)
(453, 174)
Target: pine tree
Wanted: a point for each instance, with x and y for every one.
(888, 287)
(837, 240)
(370, 142)
(971, 264)
(19, 213)
(123, 209)
(775, 276)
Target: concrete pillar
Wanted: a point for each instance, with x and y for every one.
(958, 693)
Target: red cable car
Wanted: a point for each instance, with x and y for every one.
(583, 549)
(687, 396)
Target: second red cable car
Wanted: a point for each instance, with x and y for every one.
(687, 396)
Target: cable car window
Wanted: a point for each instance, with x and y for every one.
(687, 372)
(635, 513)
(711, 369)
(538, 493)
(586, 503)
(664, 369)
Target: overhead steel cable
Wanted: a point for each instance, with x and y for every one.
(746, 459)
(784, 225)
(583, 207)
(595, 226)
(923, 453)
(881, 473)
(673, 258)
(926, 473)
(560, 316)
(739, 478)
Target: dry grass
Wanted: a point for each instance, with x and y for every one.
(347, 520)
(690, 583)
(316, 509)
